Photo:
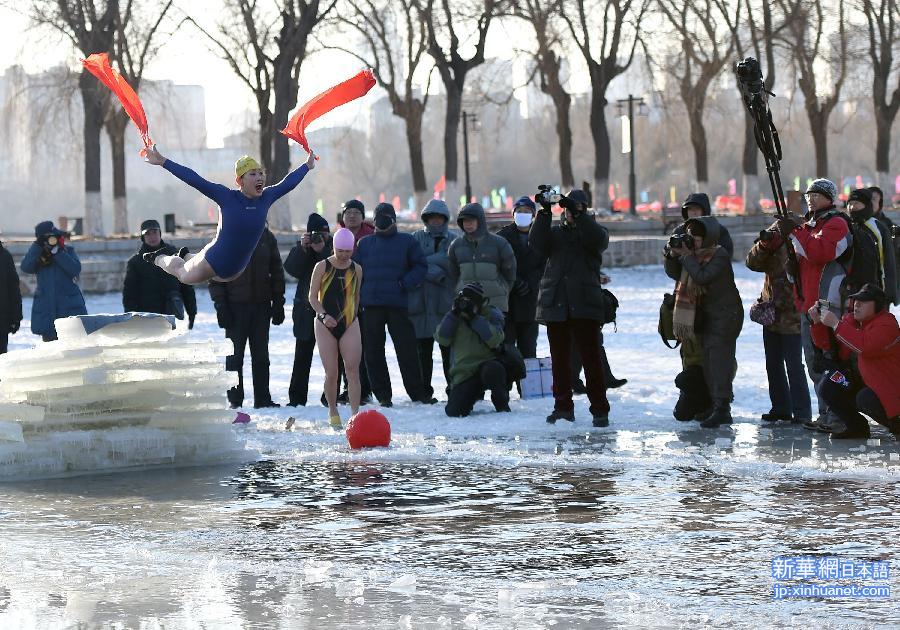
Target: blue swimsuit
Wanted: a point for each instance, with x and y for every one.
(243, 218)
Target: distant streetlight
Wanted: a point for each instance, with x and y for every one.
(466, 117)
(632, 183)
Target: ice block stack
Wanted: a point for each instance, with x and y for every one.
(115, 391)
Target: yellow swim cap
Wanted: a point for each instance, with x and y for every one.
(244, 164)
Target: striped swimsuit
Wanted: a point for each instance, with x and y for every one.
(339, 295)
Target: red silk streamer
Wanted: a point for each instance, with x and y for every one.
(336, 96)
(98, 65)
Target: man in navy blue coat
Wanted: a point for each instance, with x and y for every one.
(393, 264)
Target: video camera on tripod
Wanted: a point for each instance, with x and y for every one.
(756, 100)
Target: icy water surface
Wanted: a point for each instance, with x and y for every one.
(495, 521)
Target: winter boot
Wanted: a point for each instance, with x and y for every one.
(558, 414)
(601, 421)
(721, 414)
(774, 416)
(703, 415)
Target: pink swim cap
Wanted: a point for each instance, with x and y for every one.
(344, 239)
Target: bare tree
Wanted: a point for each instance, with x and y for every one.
(265, 43)
(396, 42)
(444, 44)
(91, 27)
(620, 20)
(883, 20)
(698, 24)
(135, 44)
(541, 15)
(807, 39)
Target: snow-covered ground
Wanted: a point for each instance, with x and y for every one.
(493, 521)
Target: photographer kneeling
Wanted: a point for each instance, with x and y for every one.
(472, 330)
(707, 303)
(570, 300)
(870, 332)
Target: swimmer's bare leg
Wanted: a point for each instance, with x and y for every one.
(193, 271)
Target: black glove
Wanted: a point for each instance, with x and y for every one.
(278, 312)
(14, 328)
(223, 315)
(457, 307)
(191, 317)
(787, 224)
(521, 288)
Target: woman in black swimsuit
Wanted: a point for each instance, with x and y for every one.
(334, 296)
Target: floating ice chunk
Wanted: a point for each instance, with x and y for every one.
(894, 457)
(405, 622)
(471, 621)
(452, 598)
(404, 583)
(873, 442)
(722, 442)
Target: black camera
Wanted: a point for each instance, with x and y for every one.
(316, 237)
(767, 235)
(546, 196)
(749, 75)
(680, 240)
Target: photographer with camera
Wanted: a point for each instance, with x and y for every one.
(149, 289)
(10, 299)
(570, 299)
(870, 332)
(245, 306)
(473, 330)
(57, 267)
(708, 305)
(789, 395)
(314, 246)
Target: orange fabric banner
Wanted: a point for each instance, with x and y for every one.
(98, 65)
(336, 96)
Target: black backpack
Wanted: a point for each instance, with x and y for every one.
(610, 306)
(862, 261)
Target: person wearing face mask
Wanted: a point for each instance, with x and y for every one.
(429, 302)
(393, 264)
(149, 289)
(521, 327)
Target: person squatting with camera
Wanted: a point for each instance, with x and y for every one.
(708, 314)
(570, 299)
(473, 331)
(57, 268)
(868, 333)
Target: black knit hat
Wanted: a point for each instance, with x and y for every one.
(474, 291)
(316, 223)
(354, 204)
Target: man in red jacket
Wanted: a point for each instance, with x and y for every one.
(870, 332)
(818, 243)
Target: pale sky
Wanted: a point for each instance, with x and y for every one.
(187, 60)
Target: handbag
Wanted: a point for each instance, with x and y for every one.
(763, 312)
(610, 306)
(666, 326)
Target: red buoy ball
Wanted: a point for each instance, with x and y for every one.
(368, 429)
